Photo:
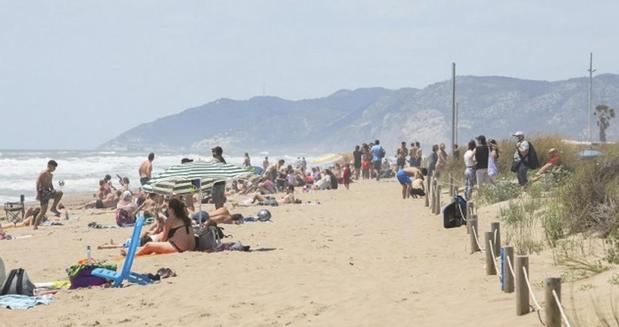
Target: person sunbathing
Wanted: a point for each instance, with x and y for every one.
(31, 214)
(219, 216)
(109, 201)
(288, 198)
(177, 234)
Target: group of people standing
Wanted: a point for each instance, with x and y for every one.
(368, 160)
(480, 162)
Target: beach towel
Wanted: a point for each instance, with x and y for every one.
(80, 275)
(22, 302)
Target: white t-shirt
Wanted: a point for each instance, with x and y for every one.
(523, 147)
(469, 159)
(292, 179)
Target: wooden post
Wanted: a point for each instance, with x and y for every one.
(432, 195)
(495, 228)
(473, 243)
(490, 270)
(427, 191)
(438, 200)
(470, 206)
(451, 186)
(551, 308)
(522, 291)
(474, 217)
(508, 278)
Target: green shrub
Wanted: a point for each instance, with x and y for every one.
(612, 247)
(552, 223)
(520, 220)
(501, 190)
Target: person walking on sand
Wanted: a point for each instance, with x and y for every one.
(441, 162)
(520, 156)
(45, 192)
(469, 170)
(432, 160)
(378, 153)
(404, 177)
(356, 155)
(482, 153)
(246, 161)
(346, 176)
(146, 169)
(265, 163)
(401, 154)
(219, 188)
(412, 155)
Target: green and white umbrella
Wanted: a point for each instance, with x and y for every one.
(185, 178)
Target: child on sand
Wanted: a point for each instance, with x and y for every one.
(346, 176)
(404, 177)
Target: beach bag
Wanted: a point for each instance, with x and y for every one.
(454, 214)
(515, 165)
(209, 238)
(80, 275)
(17, 282)
(381, 152)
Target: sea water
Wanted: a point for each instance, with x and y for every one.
(81, 170)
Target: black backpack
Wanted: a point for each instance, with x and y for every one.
(208, 239)
(532, 161)
(18, 283)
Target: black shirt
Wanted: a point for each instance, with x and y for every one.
(481, 156)
(357, 157)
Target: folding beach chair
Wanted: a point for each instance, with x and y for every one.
(125, 273)
(15, 211)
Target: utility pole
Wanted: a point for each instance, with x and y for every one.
(457, 121)
(453, 107)
(590, 109)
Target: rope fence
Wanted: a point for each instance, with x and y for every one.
(477, 239)
(532, 295)
(496, 265)
(563, 316)
(499, 263)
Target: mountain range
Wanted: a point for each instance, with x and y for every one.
(491, 105)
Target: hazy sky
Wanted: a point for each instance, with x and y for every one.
(74, 74)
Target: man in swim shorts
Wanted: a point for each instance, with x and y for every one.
(46, 192)
(219, 188)
(404, 177)
(146, 169)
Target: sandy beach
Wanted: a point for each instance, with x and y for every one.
(363, 257)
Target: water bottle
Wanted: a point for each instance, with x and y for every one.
(88, 254)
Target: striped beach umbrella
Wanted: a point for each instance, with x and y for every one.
(186, 178)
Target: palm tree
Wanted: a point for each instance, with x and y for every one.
(604, 114)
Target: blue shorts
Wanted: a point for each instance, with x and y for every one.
(403, 178)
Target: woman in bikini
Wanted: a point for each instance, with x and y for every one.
(177, 235)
